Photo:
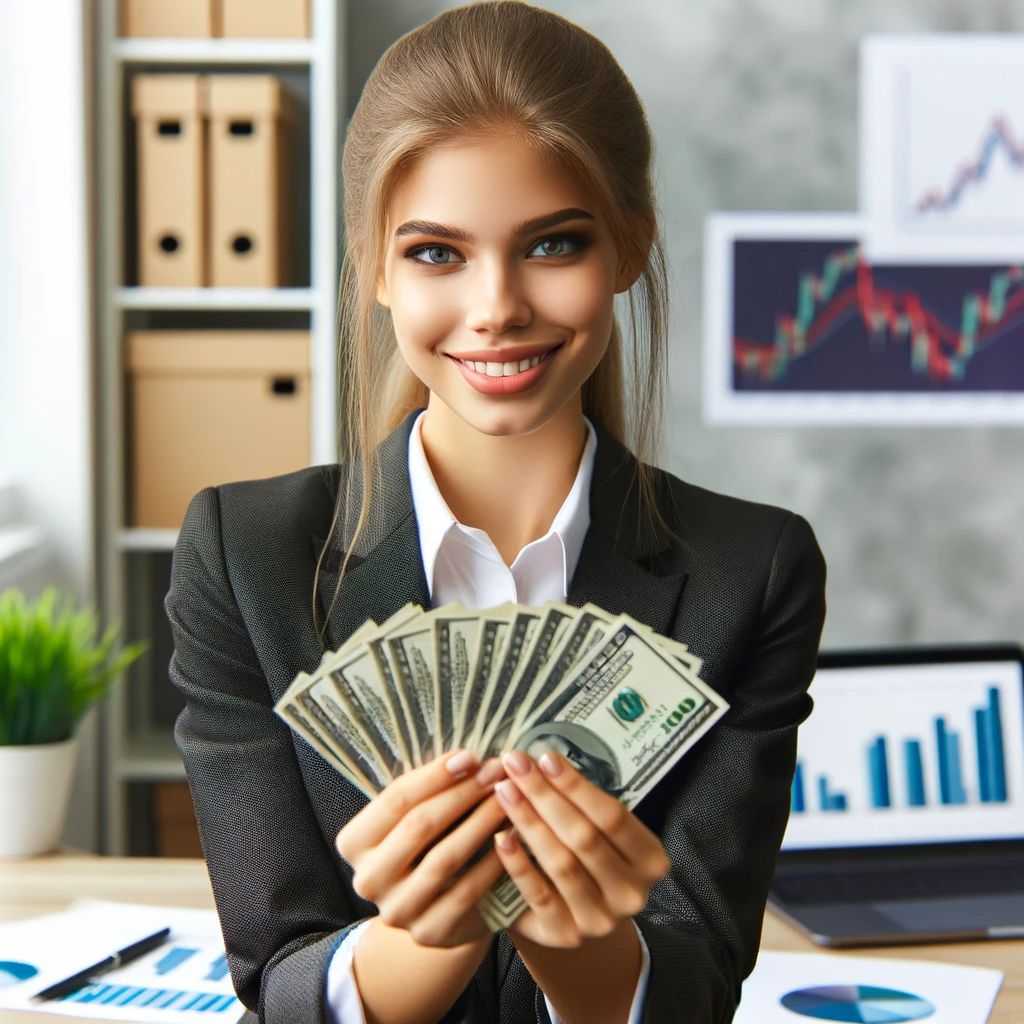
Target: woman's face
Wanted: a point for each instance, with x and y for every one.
(500, 275)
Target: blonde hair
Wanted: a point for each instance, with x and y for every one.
(484, 68)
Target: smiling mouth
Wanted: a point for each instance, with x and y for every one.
(505, 369)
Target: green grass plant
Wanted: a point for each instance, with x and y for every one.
(51, 667)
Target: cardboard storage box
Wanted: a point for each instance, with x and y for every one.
(277, 19)
(171, 164)
(211, 407)
(181, 19)
(174, 821)
(250, 223)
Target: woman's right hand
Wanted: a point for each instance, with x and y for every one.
(400, 865)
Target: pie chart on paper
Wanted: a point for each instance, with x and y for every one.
(861, 1003)
(14, 973)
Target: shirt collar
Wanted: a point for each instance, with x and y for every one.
(434, 519)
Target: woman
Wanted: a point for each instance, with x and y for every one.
(498, 195)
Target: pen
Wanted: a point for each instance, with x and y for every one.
(122, 956)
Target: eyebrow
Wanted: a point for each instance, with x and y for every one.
(527, 227)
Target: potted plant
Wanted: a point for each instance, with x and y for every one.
(51, 671)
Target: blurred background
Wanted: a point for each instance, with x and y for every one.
(754, 106)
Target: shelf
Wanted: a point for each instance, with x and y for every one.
(213, 51)
(143, 539)
(216, 298)
(150, 755)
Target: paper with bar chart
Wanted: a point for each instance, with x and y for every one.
(910, 754)
(184, 981)
(942, 147)
(801, 328)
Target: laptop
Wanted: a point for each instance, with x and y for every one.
(907, 806)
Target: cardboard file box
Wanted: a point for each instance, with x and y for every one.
(182, 19)
(249, 213)
(276, 19)
(174, 820)
(211, 407)
(171, 162)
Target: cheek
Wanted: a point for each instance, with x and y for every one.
(579, 298)
(422, 312)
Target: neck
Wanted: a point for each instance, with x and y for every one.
(511, 487)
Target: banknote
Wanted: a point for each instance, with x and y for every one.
(494, 626)
(455, 642)
(412, 659)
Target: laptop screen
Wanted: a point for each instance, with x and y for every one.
(910, 753)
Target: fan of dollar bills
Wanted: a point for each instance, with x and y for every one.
(619, 701)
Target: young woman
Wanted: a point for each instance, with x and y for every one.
(498, 196)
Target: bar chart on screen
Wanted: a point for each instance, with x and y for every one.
(919, 753)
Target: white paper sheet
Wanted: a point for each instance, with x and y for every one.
(957, 995)
(184, 981)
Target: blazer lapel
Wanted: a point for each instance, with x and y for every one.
(624, 566)
(385, 569)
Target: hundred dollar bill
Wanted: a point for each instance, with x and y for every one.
(520, 633)
(547, 639)
(494, 626)
(455, 643)
(412, 658)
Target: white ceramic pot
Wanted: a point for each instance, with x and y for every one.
(35, 785)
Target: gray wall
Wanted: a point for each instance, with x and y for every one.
(754, 107)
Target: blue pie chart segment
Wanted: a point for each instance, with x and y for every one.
(860, 1003)
(14, 973)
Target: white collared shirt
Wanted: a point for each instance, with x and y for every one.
(462, 564)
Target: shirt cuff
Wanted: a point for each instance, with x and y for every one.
(342, 992)
(636, 1010)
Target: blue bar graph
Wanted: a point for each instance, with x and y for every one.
(915, 773)
(988, 728)
(951, 784)
(878, 773)
(797, 804)
(218, 968)
(154, 998)
(174, 957)
(827, 800)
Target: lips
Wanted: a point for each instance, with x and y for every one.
(504, 378)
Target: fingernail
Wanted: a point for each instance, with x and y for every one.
(508, 793)
(492, 771)
(550, 764)
(504, 840)
(459, 764)
(517, 762)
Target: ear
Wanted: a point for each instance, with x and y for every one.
(382, 292)
(629, 272)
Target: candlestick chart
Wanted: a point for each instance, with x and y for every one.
(815, 316)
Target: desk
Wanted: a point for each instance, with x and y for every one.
(45, 884)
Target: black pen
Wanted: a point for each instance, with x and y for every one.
(122, 956)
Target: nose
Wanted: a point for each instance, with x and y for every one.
(496, 298)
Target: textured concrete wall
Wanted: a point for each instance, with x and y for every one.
(754, 107)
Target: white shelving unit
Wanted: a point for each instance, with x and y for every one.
(134, 752)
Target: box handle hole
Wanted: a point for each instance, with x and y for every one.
(169, 243)
(284, 386)
(241, 244)
(169, 128)
(241, 128)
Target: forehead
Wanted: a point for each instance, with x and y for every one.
(485, 185)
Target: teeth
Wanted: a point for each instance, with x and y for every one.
(503, 369)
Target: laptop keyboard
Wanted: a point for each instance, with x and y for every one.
(918, 882)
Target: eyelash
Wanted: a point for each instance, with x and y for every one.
(580, 241)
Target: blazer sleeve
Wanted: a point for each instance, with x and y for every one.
(722, 824)
(283, 905)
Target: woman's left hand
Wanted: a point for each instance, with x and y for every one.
(599, 859)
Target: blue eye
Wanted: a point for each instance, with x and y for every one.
(560, 240)
(432, 249)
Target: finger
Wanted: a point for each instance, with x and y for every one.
(381, 868)
(384, 811)
(635, 842)
(437, 871)
(556, 922)
(581, 893)
(453, 918)
(622, 885)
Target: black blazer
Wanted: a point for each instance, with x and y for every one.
(744, 588)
